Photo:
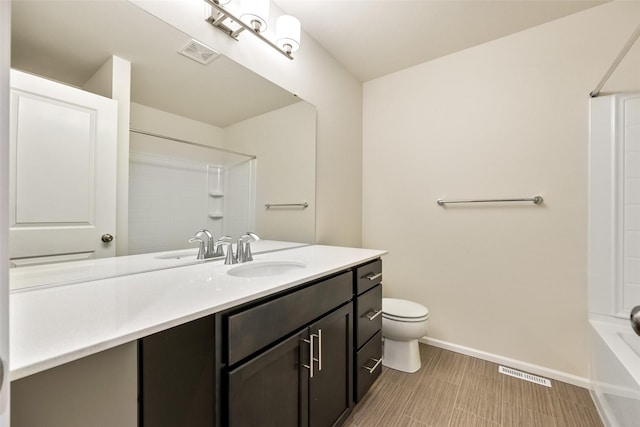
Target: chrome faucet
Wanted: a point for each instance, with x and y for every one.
(224, 241)
(206, 249)
(243, 247)
(214, 249)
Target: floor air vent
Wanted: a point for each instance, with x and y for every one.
(524, 376)
(198, 52)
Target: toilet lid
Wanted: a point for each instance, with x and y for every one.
(401, 308)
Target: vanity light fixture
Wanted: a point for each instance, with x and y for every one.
(253, 16)
(288, 33)
(256, 14)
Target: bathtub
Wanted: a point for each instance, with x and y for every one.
(615, 371)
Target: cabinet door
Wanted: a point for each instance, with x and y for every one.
(271, 389)
(330, 389)
(177, 376)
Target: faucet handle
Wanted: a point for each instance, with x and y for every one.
(248, 238)
(202, 249)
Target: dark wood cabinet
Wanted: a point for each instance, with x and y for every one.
(368, 365)
(302, 373)
(176, 376)
(330, 389)
(270, 389)
(289, 359)
(367, 327)
(278, 388)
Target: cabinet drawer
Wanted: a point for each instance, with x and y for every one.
(369, 365)
(255, 328)
(368, 276)
(369, 314)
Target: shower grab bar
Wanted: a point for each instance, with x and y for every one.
(279, 205)
(536, 200)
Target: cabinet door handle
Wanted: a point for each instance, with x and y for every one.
(375, 314)
(373, 276)
(373, 368)
(311, 358)
(319, 359)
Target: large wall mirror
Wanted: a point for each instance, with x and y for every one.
(263, 137)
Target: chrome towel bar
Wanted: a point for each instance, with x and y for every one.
(279, 205)
(536, 200)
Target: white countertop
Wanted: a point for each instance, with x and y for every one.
(94, 269)
(53, 325)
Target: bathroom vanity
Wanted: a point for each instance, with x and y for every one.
(291, 338)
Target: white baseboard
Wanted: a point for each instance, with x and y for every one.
(512, 363)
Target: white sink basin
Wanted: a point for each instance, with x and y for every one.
(265, 268)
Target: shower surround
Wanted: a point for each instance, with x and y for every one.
(614, 255)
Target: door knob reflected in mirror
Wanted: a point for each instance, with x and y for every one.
(635, 319)
(107, 238)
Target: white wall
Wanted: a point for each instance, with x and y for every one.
(507, 118)
(316, 77)
(284, 143)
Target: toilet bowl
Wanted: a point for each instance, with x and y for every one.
(403, 322)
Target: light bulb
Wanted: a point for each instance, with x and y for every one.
(255, 13)
(288, 33)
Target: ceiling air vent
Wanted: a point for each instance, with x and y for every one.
(198, 52)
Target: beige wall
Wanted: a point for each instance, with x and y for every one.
(284, 142)
(160, 122)
(507, 118)
(318, 78)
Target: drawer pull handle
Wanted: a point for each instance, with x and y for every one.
(373, 276)
(373, 368)
(375, 314)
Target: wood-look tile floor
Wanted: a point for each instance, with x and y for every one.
(453, 390)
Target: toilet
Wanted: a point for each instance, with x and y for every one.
(403, 322)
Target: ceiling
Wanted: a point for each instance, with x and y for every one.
(372, 38)
(80, 36)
